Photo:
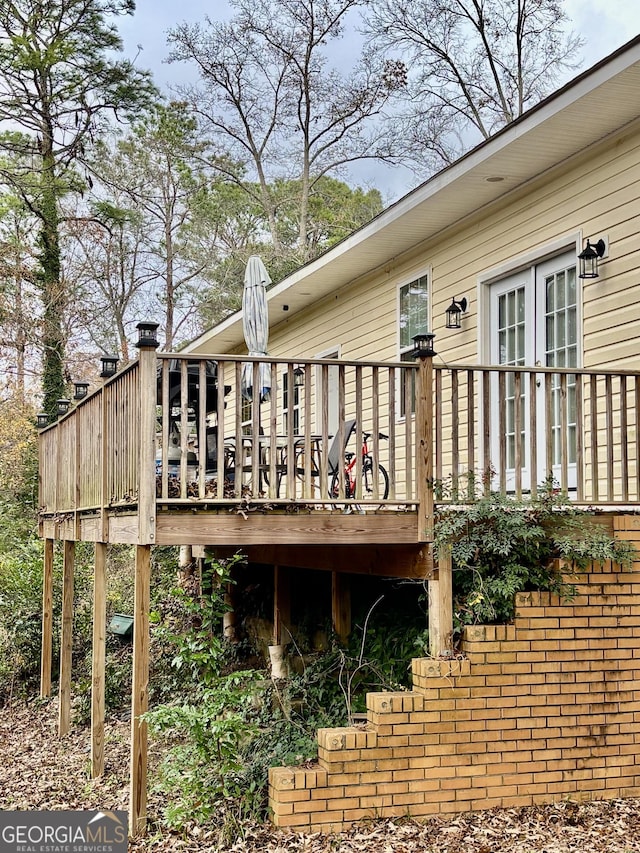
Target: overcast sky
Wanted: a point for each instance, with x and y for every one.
(604, 24)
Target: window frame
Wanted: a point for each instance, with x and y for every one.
(405, 350)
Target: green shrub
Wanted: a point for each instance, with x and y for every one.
(500, 546)
(20, 612)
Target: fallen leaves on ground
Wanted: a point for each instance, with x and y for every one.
(40, 771)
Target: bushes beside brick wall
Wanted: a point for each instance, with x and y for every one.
(540, 710)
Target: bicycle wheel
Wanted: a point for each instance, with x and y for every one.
(367, 491)
(370, 490)
(334, 489)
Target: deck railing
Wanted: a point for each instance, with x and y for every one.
(510, 429)
(289, 431)
(222, 440)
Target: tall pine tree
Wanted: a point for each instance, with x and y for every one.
(58, 81)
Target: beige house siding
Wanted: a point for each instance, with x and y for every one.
(595, 195)
(592, 195)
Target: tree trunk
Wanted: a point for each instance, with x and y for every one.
(53, 300)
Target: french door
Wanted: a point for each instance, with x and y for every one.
(534, 321)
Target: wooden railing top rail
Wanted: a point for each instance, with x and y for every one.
(509, 368)
(96, 392)
(271, 359)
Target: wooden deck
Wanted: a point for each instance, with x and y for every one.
(170, 451)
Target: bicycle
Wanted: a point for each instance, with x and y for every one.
(372, 486)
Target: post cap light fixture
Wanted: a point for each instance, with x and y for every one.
(62, 407)
(147, 334)
(589, 257)
(454, 312)
(80, 390)
(109, 366)
(423, 345)
(42, 420)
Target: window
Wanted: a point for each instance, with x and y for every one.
(413, 320)
(247, 416)
(290, 425)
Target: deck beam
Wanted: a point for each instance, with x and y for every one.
(404, 561)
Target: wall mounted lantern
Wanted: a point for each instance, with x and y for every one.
(109, 366)
(80, 390)
(298, 377)
(62, 407)
(454, 313)
(147, 334)
(423, 345)
(42, 420)
(589, 257)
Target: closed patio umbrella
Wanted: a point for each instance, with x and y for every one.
(255, 325)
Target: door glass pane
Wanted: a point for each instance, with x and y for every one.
(511, 351)
(561, 351)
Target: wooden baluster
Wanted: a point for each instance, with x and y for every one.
(471, 435)
(548, 409)
(358, 430)
(274, 473)
(564, 433)
(184, 426)
(624, 440)
(202, 427)
(455, 433)
(325, 476)
(391, 420)
(502, 427)
(608, 386)
(593, 403)
(533, 432)
(637, 426)
(375, 427)
(579, 439)
(517, 431)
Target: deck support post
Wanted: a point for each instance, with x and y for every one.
(140, 692)
(341, 605)
(148, 378)
(440, 590)
(424, 447)
(281, 604)
(441, 608)
(66, 639)
(98, 658)
(47, 620)
(148, 370)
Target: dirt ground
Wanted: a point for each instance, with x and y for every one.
(38, 771)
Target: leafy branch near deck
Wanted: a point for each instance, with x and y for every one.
(500, 546)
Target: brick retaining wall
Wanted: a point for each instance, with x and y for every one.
(544, 709)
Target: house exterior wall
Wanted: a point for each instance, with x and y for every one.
(595, 194)
(537, 711)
